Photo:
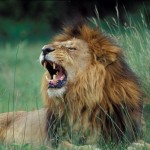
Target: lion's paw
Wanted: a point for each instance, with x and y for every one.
(141, 145)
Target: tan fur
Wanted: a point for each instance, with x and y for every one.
(23, 127)
(101, 99)
(105, 90)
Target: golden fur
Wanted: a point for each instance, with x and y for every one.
(101, 99)
(23, 127)
(103, 96)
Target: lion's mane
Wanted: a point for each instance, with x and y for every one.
(106, 98)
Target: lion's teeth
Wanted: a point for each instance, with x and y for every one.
(45, 63)
(47, 79)
(54, 65)
(54, 77)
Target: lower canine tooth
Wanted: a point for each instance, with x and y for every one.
(54, 77)
(47, 79)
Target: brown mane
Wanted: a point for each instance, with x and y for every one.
(106, 98)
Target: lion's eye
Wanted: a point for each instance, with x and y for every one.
(71, 48)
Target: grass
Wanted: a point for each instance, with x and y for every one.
(134, 38)
(20, 77)
(21, 72)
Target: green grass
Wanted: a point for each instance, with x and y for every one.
(20, 71)
(20, 77)
(134, 38)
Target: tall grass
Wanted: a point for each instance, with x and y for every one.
(134, 38)
(21, 73)
(20, 76)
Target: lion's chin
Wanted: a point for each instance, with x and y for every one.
(55, 93)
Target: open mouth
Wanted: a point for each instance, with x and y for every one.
(58, 76)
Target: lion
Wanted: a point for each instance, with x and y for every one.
(89, 92)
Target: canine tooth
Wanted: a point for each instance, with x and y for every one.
(47, 79)
(45, 64)
(54, 77)
(54, 65)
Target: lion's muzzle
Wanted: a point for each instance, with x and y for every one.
(47, 49)
(57, 77)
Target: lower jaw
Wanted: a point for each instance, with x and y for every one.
(51, 86)
(56, 92)
(59, 84)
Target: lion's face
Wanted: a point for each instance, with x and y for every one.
(64, 61)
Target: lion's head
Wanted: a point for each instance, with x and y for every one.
(65, 61)
(88, 78)
(77, 57)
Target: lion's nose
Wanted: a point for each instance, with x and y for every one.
(47, 49)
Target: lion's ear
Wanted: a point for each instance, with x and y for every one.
(103, 47)
(103, 60)
(108, 53)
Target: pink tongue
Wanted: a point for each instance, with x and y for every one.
(59, 76)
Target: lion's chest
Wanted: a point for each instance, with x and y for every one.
(81, 130)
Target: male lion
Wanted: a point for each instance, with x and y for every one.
(90, 94)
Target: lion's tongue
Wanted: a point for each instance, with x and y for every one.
(59, 76)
